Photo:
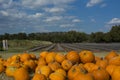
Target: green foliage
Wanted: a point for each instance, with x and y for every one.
(68, 37)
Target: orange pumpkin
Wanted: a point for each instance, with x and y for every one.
(39, 77)
(59, 57)
(116, 74)
(111, 55)
(21, 74)
(90, 67)
(73, 56)
(86, 56)
(83, 76)
(33, 56)
(54, 66)
(66, 64)
(102, 63)
(46, 70)
(10, 70)
(25, 57)
(61, 71)
(43, 54)
(101, 74)
(41, 61)
(75, 70)
(56, 76)
(110, 69)
(115, 61)
(50, 57)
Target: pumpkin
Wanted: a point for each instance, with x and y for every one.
(83, 76)
(59, 57)
(102, 63)
(41, 61)
(97, 58)
(33, 56)
(115, 61)
(111, 55)
(25, 57)
(31, 64)
(38, 76)
(10, 70)
(50, 57)
(90, 67)
(54, 66)
(101, 74)
(46, 70)
(86, 56)
(110, 69)
(66, 64)
(61, 71)
(43, 54)
(21, 74)
(75, 70)
(56, 76)
(2, 68)
(116, 74)
(73, 56)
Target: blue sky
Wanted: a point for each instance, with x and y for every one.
(58, 15)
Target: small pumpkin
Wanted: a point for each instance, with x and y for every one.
(21, 74)
(110, 55)
(66, 64)
(102, 63)
(59, 57)
(87, 56)
(61, 71)
(54, 66)
(56, 76)
(43, 54)
(101, 74)
(25, 57)
(116, 74)
(110, 69)
(115, 61)
(50, 57)
(38, 76)
(73, 56)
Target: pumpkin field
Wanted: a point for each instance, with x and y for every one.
(63, 61)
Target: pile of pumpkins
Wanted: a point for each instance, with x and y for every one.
(73, 65)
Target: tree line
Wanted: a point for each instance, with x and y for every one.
(68, 37)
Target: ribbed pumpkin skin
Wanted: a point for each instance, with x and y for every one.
(115, 61)
(111, 55)
(21, 74)
(73, 56)
(59, 57)
(39, 77)
(87, 56)
(116, 74)
(101, 74)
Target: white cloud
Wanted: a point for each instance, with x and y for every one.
(38, 3)
(67, 25)
(54, 10)
(4, 13)
(93, 3)
(76, 20)
(36, 15)
(114, 21)
(53, 18)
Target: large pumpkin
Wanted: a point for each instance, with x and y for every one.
(73, 56)
(86, 56)
(110, 69)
